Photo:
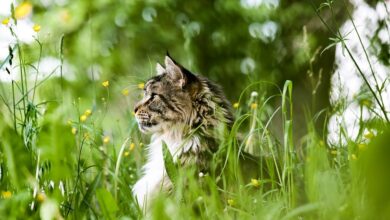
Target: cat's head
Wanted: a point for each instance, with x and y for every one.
(168, 98)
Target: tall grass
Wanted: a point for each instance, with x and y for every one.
(64, 156)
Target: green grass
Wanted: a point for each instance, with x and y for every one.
(58, 160)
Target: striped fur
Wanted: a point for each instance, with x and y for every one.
(185, 111)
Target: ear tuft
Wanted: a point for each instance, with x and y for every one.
(160, 69)
(169, 61)
(174, 71)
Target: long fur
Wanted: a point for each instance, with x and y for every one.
(186, 112)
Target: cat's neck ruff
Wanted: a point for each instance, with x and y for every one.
(178, 140)
(154, 173)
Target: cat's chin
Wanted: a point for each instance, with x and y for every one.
(148, 128)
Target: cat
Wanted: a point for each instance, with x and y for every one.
(184, 110)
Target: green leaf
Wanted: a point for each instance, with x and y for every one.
(107, 203)
(85, 203)
(170, 167)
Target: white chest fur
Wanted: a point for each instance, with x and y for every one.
(154, 178)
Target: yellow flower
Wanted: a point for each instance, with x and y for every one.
(253, 105)
(141, 85)
(132, 146)
(369, 135)
(230, 202)
(23, 10)
(106, 139)
(6, 194)
(5, 21)
(255, 182)
(41, 197)
(74, 130)
(37, 27)
(106, 83)
(83, 118)
(126, 153)
(88, 112)
(125, 92)
(236, 105)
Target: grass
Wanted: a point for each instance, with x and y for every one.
(65, 156)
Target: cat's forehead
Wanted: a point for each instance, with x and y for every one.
(157, 83)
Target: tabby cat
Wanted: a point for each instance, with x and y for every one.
(184, 110)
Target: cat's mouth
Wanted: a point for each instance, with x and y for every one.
(146, 126)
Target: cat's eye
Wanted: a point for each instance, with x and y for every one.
(153, 95)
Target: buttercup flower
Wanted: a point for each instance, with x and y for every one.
(41, 197)
(6, 194)
(236, 105)
(253, 105)
(132, 146)
(125, 92)
(255, 182)
(83, 118)
(106, 83)
(141, 85)
(106, 139)
(5, 21)
(36, 27)
(74, 130)
(23, 10)
(88, 112)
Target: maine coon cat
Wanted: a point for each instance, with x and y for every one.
(185, 111)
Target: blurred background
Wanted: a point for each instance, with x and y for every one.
(71, 72)
(234, 43)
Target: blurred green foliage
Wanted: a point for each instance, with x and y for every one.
(57, 160)
(231, 42)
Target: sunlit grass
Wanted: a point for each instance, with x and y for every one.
(64, 156)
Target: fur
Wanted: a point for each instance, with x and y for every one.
(186, 112)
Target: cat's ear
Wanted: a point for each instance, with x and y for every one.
(175, 72)
(160, 69)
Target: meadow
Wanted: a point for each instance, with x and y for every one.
(70, 147)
